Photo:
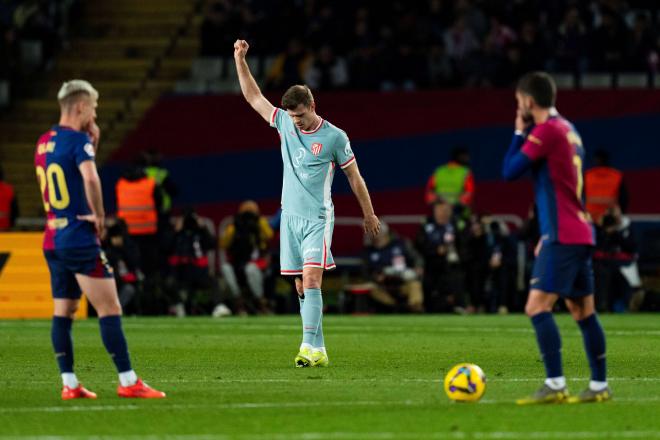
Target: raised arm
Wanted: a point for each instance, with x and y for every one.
(249, 86)
(359, 187)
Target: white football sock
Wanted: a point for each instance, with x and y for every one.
(556, 383)
(128, 378)
(595, 385)
(70, 380)
(321, 349)
(305, 345)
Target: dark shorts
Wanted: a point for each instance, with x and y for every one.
(64, 264)
(564, 269)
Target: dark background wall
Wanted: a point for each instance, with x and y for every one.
(220, 152)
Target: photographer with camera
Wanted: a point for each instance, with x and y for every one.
(189, 265)
(394, 270)
(124, 257)
(246, 241)
(615, 262)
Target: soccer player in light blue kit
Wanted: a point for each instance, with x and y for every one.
(312, 149)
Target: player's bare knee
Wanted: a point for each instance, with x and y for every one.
(312, 278)
(68, 313)
(312, 282)
(531, 309)
(578, 312)
(66, 309)
(539, 301)
(535, 307)
(110, 310)
(108, 306)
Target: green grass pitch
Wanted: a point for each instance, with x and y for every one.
(234, 379)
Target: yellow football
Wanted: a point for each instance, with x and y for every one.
(465, 383)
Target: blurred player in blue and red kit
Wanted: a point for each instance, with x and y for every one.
(550, 146)
(71, 191)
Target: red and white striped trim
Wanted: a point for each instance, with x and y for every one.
(317, 265)
(347, 163)
(315, 129)
(325, 253)
(291, 272)
(272, 117)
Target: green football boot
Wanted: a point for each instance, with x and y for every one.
(589, 395)
(545, 394)
(319, 359)
(304, 358)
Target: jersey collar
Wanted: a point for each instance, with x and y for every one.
(315, 129)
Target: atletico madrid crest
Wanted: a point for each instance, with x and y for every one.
(316, 148)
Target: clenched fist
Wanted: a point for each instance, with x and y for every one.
(240, 49)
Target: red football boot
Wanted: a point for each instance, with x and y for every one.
(140, 391)
(77, 393)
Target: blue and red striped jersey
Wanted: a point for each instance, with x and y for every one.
(556, 150)
(59, 153)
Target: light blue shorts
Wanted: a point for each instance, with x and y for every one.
(305, 243)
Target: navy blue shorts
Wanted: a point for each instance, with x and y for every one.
(64, 264)
(564, 269)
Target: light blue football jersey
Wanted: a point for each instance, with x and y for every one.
(310, 159)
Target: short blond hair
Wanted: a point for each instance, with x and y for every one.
(72, 91)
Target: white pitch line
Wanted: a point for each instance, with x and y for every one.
(271, 405)
(243, 405)
(383, 435)
(490, 380)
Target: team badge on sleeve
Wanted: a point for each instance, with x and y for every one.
(316, 148)
(89, 149)
(347, 149)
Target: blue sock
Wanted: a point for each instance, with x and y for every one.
(594, 345)
(115, 342)
(547, 336)
(60, 335)
(311, 314)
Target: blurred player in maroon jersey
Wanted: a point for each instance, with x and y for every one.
(550, 146)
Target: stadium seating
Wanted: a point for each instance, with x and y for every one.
(120, 49)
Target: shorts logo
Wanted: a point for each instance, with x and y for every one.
(316, 148)
(298, 157)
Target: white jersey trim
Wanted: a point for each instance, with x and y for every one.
(347, 163)
(272, 117)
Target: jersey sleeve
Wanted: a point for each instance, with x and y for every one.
(537, 144)
(343, 153)
(83, 149)
(276, 117)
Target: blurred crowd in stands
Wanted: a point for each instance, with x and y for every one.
(458, 261)
(31, 33)
(368, 44)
